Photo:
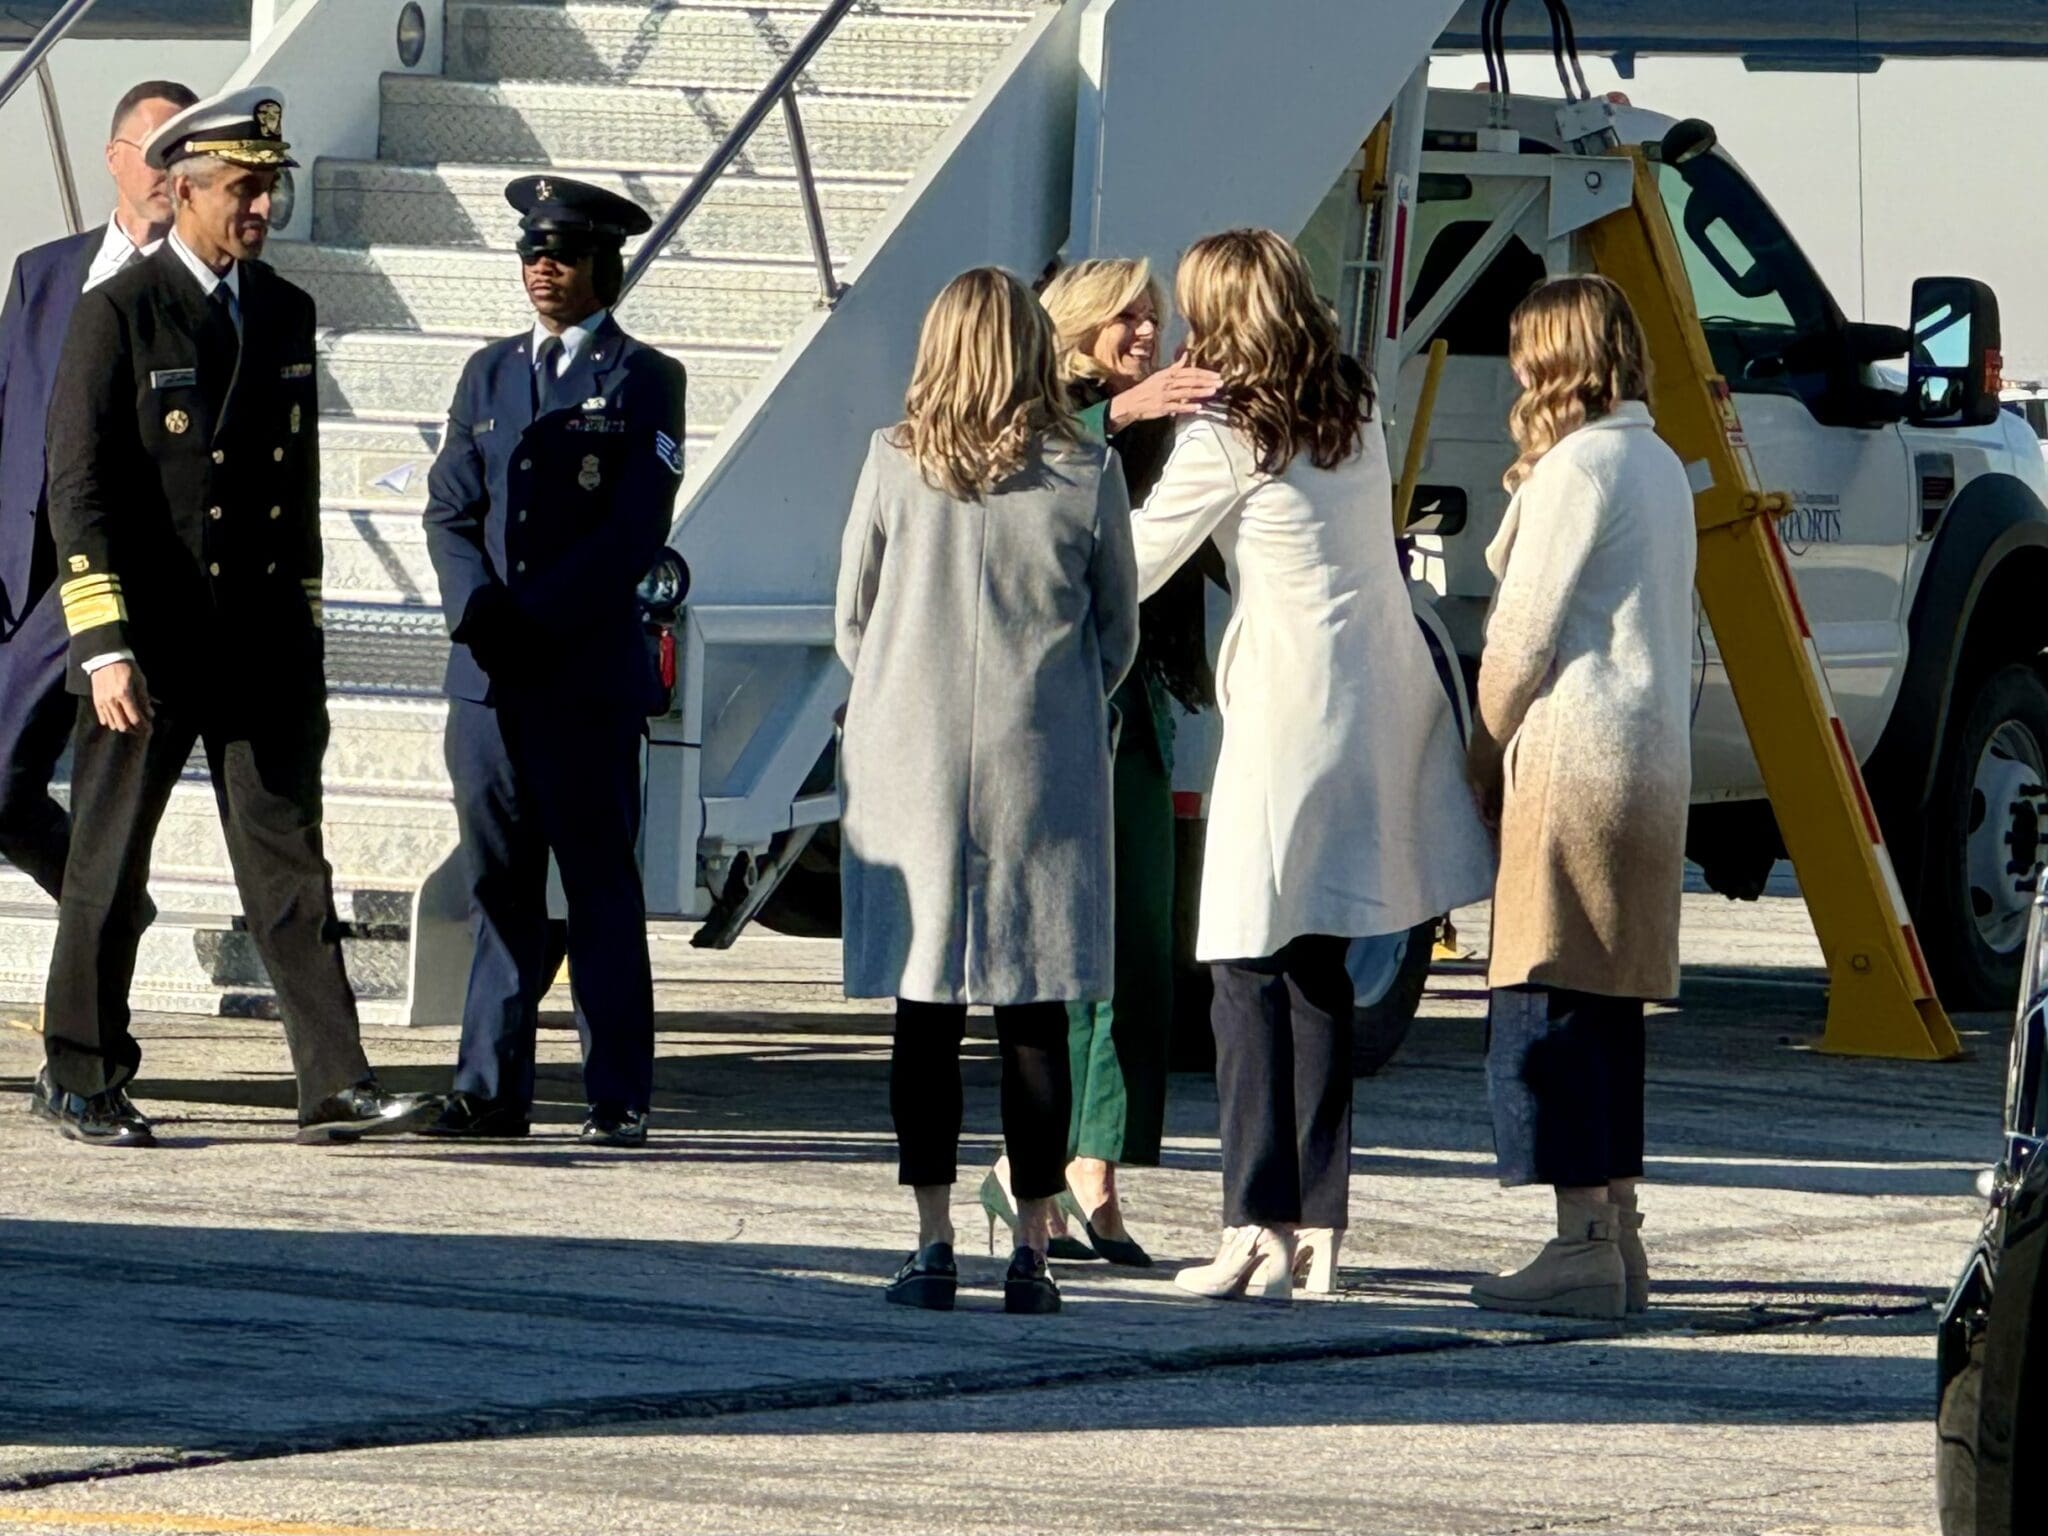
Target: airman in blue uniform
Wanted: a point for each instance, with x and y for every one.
(549, 501)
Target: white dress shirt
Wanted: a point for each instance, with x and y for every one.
(573, 338)
(115, 252)
(208, 280)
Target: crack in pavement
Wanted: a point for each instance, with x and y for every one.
(1588, 1522)
(704, 1405)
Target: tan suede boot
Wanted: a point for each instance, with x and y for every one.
(1635, 1262)
(1579, 1273)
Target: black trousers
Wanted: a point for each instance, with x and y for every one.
(1564, 1071)
(564, 775)
(925, 1100)
(1283, 1084)
(266, 781)
(36, 719)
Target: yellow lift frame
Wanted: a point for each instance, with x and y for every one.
(1881, 998)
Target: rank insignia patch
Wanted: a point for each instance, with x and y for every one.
(588, 477)
(176, 422)
(669, 451)
(80, 565)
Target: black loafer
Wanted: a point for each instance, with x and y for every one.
(1028, 1287)
(611, 1126)
(929, 1279)
(95, 1120)
(472, 1117)
(365, 1110)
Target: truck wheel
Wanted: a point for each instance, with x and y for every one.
(806, 904)
(1990, 833)
(1389, 975)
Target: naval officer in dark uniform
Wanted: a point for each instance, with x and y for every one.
(548, 503)
(184, 506)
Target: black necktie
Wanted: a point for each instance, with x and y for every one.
(544, 375)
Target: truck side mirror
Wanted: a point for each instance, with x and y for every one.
(1954, 376)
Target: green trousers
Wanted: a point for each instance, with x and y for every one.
(1118, 1047)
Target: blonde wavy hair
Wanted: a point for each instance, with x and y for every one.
(1578, 343)
(1255, 317)
(986, 388)
(1089, 295)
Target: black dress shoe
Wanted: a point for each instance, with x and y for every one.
(929, 1279)
(611, 1126)
(365, 1110)
(98, 1120)
(1028, 1286)
(473, 1117)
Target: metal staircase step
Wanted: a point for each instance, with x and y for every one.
(706, 303)
(879, 49)
(362, 202)
(402, 376)
(377, 558)
(381, 466)
(642, 129)
(388, 651)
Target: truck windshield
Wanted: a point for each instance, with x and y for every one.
(1755, 293)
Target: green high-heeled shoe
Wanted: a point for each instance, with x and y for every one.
(995, 1202)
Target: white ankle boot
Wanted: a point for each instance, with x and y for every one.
(1315, 1258)
(1256, 1263)
(1579, 1273)
(1635, 1262)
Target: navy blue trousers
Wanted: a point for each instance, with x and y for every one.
(1564, 1071)
(531, 779)
(36, 718)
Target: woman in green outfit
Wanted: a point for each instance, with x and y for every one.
(1109, 316)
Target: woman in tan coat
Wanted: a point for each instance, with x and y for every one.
(1582, 759)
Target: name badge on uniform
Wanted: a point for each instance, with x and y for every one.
(486, 425)
(296, 371)
(173, 378)
(588, 477)
(594, 403)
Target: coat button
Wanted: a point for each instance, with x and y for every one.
(520, 566)
(522, 514)
(277, 454)
(219, 457)
(214, 513)
(526, 463)
(270, 569)
(214, 569)
(276, 513)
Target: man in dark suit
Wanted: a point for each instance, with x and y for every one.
(547, 505)
(36, 711)
(184, 506)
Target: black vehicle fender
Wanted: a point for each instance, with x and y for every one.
(2014, 1390)
(1992, 546)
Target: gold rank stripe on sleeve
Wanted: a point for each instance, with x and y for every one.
(91, 601)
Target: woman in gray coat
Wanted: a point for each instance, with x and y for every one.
(987, 610)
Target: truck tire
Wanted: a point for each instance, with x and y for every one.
(1379, 1024)
(1989, 833)
(806, 904)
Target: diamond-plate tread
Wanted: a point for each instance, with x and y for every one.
(359, 202)
(720, 45)
(404, 375)
(705, 303)
(394, 652)
(637, 128)
(381, 466)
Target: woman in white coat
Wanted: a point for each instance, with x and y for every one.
(987, 611)
(1583, 758)
(1338, 810)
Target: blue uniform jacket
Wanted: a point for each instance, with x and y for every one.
(566, 513)
(41, 295)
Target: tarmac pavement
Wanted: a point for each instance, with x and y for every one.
(233, 1333)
